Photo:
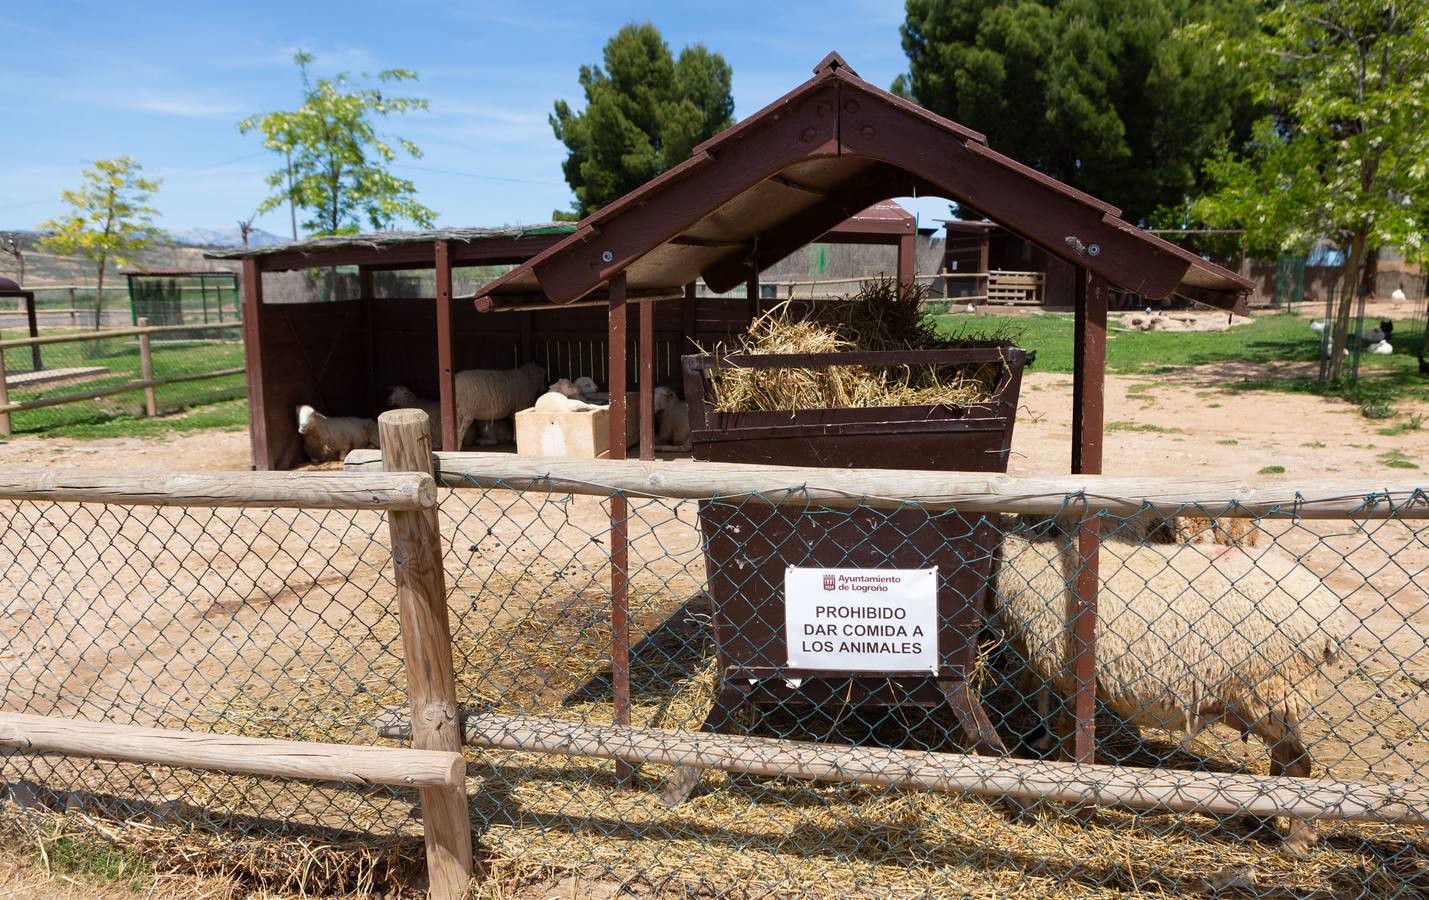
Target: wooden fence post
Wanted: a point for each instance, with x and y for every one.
(73, 313)
(5, 429)
(146, 368)
(427, 652)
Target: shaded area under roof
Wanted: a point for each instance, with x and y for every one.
(783, 177)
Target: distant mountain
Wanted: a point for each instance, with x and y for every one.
(226, 237)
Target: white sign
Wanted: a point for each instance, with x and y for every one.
(862, 620)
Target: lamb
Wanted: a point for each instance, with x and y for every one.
(555, 401)
(672, 420)
(1187, 635)
(565, 388)
(328, 438)
(490, 394)
(590, 391)
(401, 397)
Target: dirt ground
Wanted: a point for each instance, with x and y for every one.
(265, 614)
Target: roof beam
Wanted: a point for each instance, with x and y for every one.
(804, 125)
(687, 241)
(786, 181)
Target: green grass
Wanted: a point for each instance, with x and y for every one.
(228, 415)
(121, 414)
(1269, 339)
(1272, 470)
(1413, 423)
(1396, 459)
(1140, 426)
(103, 863)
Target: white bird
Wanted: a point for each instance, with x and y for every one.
(970, 308)
(1382, 349)
(1317, 327)
(1398, 294)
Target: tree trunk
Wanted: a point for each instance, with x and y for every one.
(1369, 273)
(1349, 283)
(99, 293)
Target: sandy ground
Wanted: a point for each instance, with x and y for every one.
(237, 616)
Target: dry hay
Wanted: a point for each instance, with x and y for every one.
(876, 318)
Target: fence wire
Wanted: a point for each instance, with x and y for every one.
(1225, 645)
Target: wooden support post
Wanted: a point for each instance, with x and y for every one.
(1088, 415)
(426, 651)
(264, 455)
(689, 323)
(617, 328)
(5, 426)
(527, 349)
(647, 380)
(34, 327)
(446, 374)
(907, 264)
(366, 298)
(146, 369)
(73, 312)
(751, 289)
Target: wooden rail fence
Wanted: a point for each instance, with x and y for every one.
(146, 383)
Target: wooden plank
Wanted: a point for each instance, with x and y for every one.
(366, 297)
(617, 342)
(125, 388)
(1089, 374)
(349, 764)
(1158, 790)
(263, 453)
(146, 369)
(889, 488)
(114, 333)
(427, 652)
(646, 346)
(286, 490)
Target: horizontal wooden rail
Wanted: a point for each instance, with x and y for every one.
(889, 488)
(229, 753)
(125, 388)
(289, 490)
(105, 334)
(1161, 790)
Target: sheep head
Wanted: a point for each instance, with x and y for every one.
(401, 396)
(306, 416)
(566, 389)
(664, 399)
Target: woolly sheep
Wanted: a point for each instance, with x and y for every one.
(555, 401)
(1186, 635)
(328, 438)
(672, 420)
(590, 391)
(566, 389)
(401, 397)
(490, 394)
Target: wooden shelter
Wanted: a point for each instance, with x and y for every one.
(785, 175)
(343, 355)
(9, 288)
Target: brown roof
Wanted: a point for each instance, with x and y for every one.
(810, 160)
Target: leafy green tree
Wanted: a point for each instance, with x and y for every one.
(108, 220)
(337, 163)
(644, 112)
(1105, 95)
(1344, 152)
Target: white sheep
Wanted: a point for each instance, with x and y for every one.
(555, 401)
(1186, 635)
(565, 388)
(490, 394)
(401, 397)
(590, 391)
(672, 420)
(328, 438)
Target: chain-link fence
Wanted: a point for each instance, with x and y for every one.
(1228, 645)
(95, 377)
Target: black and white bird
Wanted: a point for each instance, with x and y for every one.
(1317, 327)
(1372, 336)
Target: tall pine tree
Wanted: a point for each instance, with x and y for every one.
(644, 112)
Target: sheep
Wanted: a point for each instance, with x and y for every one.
(555, 401)
(328, 438)
(494, 431)
(590, 391)
(401, 397)
(1187, 635)
(565, 388)
(672, 420)
(490, 394)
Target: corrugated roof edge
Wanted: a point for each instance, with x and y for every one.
(396, 238)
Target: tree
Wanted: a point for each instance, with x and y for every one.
(336, 163)
(1105, 95)
(1344, 152)
(644, 113)
(108, 221)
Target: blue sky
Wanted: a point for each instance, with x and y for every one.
(167, 83)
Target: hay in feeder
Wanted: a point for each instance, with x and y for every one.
(879, 317)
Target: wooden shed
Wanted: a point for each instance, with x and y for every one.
(342, 353)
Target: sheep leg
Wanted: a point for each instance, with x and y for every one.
(1289, 756)
(683, 781)
(972, 718)
(461, 429)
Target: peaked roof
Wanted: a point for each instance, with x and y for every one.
(815, 157)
